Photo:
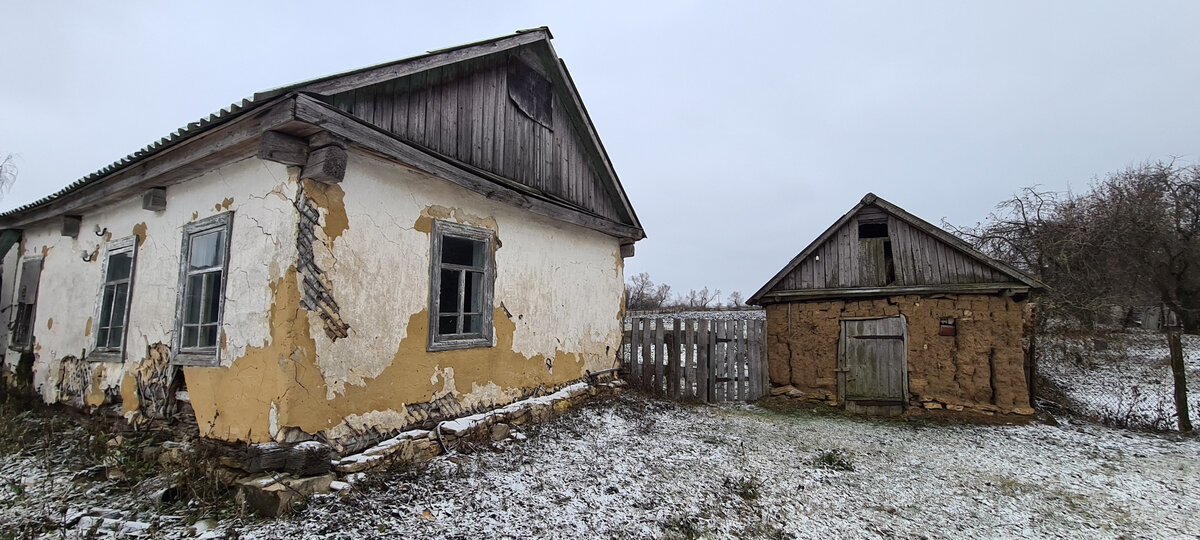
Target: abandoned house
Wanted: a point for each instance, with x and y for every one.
(884, 311)
(340, 258)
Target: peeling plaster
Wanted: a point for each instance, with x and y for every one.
(69, 286)
(139, 231)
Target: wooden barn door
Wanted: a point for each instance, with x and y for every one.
(873, 365)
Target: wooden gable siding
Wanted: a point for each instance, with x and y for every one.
(466, 114)
(918, 259)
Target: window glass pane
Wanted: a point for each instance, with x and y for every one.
(119, 266)
(473, 292)
(208, 336)
(118, 310)
(189, 336)
(448, 325)
(102, 337)
(212, 297)
(106, 308)
(472, 324)
(462, 251)
(448, 296)
(208, 249)
(191, 301)
(114, 337)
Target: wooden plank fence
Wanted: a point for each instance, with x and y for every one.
(696, 359)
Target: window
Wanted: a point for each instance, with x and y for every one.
(203, 267)
(27, 291)
(113, 316)
(461, 278)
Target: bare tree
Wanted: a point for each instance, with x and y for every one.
(736, 300)
(700, 299)
(1133, 239)
(644, 294)
(8, 174)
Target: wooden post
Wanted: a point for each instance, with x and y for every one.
(765, 384)
(659, 336)
(676, 358)
(647, 363)
(702, 361)
(1177, 367)
(753, 388)
(735, 359)
(721, 360)
(689, 359)
(635, 338)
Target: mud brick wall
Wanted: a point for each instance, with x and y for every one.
(980, 368)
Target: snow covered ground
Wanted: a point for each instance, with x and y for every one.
(628, 467)
(1122, 379)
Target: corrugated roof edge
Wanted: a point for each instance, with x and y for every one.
(235, 109)
(192, 129)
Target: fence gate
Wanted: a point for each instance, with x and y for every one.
(708, 360)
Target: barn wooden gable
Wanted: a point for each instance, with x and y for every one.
(504, 108)
(878, 248)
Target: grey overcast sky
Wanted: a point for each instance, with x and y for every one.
(740, 130)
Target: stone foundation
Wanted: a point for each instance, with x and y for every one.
(981, 368)
(273, 493)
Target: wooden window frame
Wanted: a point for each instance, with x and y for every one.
(446, 342)
(200, 356)
(105, 353)
(17, 314)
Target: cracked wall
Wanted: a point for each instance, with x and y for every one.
(262, 247)
(982, 367)
(557, 298)
(325, 323)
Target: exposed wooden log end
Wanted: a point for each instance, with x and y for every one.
(626, 251)
(70, 226)
(322, 139)
(282, 148)
(155, 199)
(326, 165)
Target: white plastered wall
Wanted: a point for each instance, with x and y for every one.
(560, 284)
(259, 193)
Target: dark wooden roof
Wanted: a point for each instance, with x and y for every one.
(454, 105)
(909, 256)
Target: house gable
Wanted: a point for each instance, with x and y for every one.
(437, 112)
(877, 248)
(506, 107)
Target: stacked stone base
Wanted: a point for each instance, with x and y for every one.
(275, 493)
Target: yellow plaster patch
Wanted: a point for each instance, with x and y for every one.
(331, 199)
(87, 328)
(129, 395)
(424, 222)
(49, 323)
(94, 396)
(139, 231)
(225, 204)
(195, 216)
(234, 402)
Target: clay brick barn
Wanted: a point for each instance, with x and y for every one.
(885, 311)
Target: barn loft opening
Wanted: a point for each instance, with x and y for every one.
(872, 230)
